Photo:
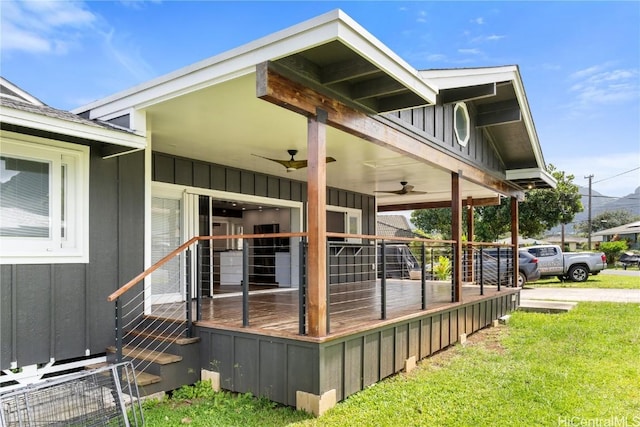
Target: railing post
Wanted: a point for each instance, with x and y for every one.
(328, 291)
(453, 272)
(188, 292)
(245, 285)
(199, 281)
(498, 268)
(302, 292)
(383, 282)
(118, 331)
(423, 278)
(481, 272)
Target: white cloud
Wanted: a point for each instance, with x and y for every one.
(600, 84)
(470, 51)
(490, 38)
(479, 20)
(422, 16)
(42, 26)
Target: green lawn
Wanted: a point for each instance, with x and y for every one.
(581, 367)
(602, 281)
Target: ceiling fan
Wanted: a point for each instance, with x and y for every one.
(293, 164)
(406, 189)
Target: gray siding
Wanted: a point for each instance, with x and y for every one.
(434, 125)
(278, 367)
(60, 310)
(194, 173)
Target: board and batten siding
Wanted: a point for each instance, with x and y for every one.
(277, 368)
(60, 310)
(433, 124)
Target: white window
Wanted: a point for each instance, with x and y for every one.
(461, 123)
(345, 220)
(44, 202)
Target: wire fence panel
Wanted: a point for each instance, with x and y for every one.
(105, 396)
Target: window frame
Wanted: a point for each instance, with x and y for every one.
(461, 106)
(68, 240)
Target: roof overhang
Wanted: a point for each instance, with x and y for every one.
(502, 110)
(117, 141)
(331, 53)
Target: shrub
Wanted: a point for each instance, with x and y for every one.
(613, 249)
(442, 269)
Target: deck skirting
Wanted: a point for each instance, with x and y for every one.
(279, 367)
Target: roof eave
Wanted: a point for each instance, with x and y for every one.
(40, 122)
(334, 25)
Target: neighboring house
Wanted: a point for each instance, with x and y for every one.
(629, 232)
(571, 243)
(394, 226)
(261, 167)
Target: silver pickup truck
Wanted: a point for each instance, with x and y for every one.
(574, 266)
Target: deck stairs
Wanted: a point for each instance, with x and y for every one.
(164, 358)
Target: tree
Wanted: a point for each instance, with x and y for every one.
(608, 219)
(541, 210)
(435, 221)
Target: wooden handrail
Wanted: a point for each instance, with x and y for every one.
(395, 239)
(131, 283)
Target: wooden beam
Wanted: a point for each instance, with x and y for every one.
(514, 236)
(456, 234)
(486, 201)
(317, 225)
(294, 96)
(448, 96)
(498, 113)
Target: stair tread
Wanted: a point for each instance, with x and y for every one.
(165, 337)
(147, 355)
(142, 378)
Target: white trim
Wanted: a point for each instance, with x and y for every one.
(22, 94)
(531, 174)
(53, 250)
(332, 26)
(65, 127)
(462, 106)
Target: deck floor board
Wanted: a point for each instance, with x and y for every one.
(352, 306)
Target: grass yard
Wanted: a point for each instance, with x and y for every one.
(601, 281)
(577, 368)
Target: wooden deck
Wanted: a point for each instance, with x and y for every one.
(353, 307)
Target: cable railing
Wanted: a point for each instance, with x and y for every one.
(259, 281)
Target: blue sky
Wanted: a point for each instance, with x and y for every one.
(580, 61)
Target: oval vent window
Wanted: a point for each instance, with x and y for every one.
(461, 123)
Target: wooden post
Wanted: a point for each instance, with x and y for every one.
(456, 234)
(514, 237)
(317, 224)
(470, 231)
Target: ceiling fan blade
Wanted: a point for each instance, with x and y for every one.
(292, 165)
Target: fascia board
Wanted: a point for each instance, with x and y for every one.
(51, 124)
(335, 25)
(463, 77)
(531, 173)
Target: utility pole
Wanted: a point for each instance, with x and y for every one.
(590, 178)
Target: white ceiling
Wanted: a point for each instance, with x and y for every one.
(226, 124)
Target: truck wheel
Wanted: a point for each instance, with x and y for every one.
(578, 273)
(522, 279)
